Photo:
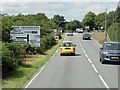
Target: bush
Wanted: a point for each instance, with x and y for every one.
(16, 52)
(8, 62)
(45, 43)
(13, 55)
(114, 32)
(59, 34)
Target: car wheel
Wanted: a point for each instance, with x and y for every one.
(73, 54)
(61, 54)
(103, 62)
(100, 60)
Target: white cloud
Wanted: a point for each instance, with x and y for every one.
(71, 10)
(59, 1)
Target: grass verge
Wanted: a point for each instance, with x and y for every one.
(99, 36)
(18, 78)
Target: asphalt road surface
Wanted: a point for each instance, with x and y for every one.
(80, 71)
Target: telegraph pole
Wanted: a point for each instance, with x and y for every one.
(105, 33)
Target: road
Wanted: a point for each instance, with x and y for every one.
(81, 71)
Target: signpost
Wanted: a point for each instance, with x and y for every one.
(30, 34)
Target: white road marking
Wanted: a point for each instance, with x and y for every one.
(95, 68)
(84, 51)
(89, 60)
(86, 55)
(103, 81)
(55, 53)
(41, 69)
(35, 77)
(97, 42)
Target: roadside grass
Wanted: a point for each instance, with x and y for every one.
(99, 36)
(32, 63)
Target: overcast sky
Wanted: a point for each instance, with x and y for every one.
(74, 9)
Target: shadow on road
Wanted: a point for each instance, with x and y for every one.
(72, 55)
(78, 54)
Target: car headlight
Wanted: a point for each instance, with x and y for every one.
(104, 52)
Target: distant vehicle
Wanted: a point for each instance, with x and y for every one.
(79, 30)
(110, 52)
(70, 34)
(67, 47)
(86, 36)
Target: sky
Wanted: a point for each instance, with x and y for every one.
(70, 9)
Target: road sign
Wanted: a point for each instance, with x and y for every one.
(56, 37)
(30, 34)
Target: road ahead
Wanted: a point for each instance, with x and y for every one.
(81, 71)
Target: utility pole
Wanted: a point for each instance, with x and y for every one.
(105, 33)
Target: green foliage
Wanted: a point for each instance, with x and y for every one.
(114, 32)
(8, 61)
(12, 56)
(89, 20)
(72, 25)
(38, 19)
(59, 34)
(99, 21)
(59, 20)
(117, 13)
(110, 18)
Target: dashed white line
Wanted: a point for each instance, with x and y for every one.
(84, 51)
(103, 81)
(35, 77)
(86, 55)
(89, 60)
(95, 68)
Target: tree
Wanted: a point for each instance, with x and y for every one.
(72, 25)
(117, 14)
(59, 20)
(89, 20)
(99, 20)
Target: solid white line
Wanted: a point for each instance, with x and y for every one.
(89, 60)
(56, 50)
(95, 68)
(55, 53)
(97, 42)
(35, 77)
(41, 69)
(103, 81)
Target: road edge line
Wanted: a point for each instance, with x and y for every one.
(34, 77)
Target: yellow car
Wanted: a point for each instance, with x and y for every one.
(67, 47)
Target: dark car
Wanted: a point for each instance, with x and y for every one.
(70, 34)
(110, 52)
(86, 36)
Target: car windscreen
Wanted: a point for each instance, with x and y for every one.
(67, 45)
(86, 34)
(112, 46)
